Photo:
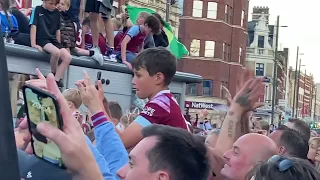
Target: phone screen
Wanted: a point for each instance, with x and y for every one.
(42, 107)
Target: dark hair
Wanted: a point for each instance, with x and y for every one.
(302, 127)
(295, 145)
(55, 1)
(301, 169)
(156, 60)
(159, 18)
(178, 152)
(153, 23)
(86, 21)
(115, 110)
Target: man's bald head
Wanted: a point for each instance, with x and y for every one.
(261, 147)
(247, 151)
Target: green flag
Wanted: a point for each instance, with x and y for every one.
(176, 48)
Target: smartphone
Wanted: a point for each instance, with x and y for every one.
(98, 78)
(43, 106)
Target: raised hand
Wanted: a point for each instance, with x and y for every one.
(89, 94)
(247, 98)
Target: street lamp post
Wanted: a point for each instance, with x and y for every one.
(275, 73)
(298, 86)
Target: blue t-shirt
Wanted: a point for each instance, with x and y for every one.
(5, 25)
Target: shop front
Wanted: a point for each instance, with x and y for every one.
(216, 111)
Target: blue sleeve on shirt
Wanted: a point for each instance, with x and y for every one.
(110, 145)
(142, 121)
(103, 165)
(34, 16)
(201, 126)
(133, 31)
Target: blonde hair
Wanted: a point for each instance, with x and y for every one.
(129, 117)
(316, 139)
(67, 2)
(144, 15)
(74, 96)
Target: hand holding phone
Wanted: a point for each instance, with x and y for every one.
(42, 106)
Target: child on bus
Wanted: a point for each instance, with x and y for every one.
(84, 39)
(9, 23)
(68, 34)
(132, 40)
(45, 35)
(153, 70)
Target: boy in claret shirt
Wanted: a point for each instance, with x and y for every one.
(154, 70)
(132, 40)
(84, 39)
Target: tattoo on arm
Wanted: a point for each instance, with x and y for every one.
(243, 100)
(230, 128)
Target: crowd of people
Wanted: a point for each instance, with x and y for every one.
(56, 28)
(157, 142)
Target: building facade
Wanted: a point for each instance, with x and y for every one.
(215, 33)
(306, 95)
(260, 57)
(316, 104)
(159, 6)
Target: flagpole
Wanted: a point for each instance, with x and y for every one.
(168, 10)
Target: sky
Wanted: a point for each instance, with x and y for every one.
(303, 30)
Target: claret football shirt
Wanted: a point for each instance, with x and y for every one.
(162, 109)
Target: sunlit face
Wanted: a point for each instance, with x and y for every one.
(143, 83)
(238, 160)
(50, 5)
(313, 147)
(140, 21)
(85, 29)
(317, 158)
(137, 168)
(62, 6)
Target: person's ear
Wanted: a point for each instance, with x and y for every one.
(159, 78)
(162, 175)
(282, 150)
(70, 104)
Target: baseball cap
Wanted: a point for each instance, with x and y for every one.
(34, 168)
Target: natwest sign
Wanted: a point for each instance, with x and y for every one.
(200, 105)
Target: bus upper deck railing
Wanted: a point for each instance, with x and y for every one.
(29, 53)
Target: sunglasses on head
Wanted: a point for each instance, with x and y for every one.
(283, 163)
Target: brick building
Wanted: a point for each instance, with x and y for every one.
(306, 93)
(215, 33)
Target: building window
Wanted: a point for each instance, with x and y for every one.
(209, 49)
(242, 19)
(240, 54)
(195, 47)
(192, 89)
(212, 10)
(228, 14)
(259, 69)
(197, 9)
(207, 87)
(226, 48)
(260, 41)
